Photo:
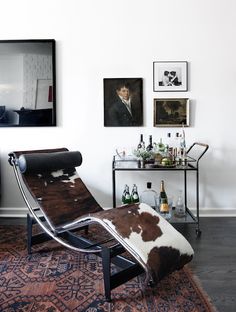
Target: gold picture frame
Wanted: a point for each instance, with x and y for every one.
(172, 112)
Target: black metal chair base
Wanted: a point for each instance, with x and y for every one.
(112, 255)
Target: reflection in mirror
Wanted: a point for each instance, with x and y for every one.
(27, 83)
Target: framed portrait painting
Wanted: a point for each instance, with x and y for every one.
(171, 112)
(123, 102)
(170, 76)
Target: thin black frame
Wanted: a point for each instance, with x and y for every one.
(169, 65)
(53, 113)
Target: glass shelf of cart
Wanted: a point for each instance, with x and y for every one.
(130, 162)
(188, 218)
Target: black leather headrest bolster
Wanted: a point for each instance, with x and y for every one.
(47, 162)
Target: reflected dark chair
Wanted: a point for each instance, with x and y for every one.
(62, 205)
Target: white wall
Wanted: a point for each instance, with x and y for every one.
(107, 38)
(37, 73)
(11, 81)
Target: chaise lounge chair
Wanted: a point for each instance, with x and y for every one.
(138, 239)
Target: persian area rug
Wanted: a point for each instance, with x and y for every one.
(55, 279)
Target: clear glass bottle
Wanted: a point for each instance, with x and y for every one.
(149, 196)
(176, 148)
(169, 145)
(134, 194)
(168, 140)
(183, 149)
(180, 210)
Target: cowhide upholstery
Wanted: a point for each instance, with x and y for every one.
(147, 234)
(61, 194)
(153, 238)
(153, 241)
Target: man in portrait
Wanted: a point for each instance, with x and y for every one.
(123, 102)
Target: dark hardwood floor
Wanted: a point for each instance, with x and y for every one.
(214, 262)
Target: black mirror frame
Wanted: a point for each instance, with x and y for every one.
(53, 116)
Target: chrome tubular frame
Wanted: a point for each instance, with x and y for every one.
(109, 255)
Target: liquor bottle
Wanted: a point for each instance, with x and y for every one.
(177, 136)
(141, 142)
(168, 140)
(183, 148)
(169, 145)
(180, 207)
(163, 200)
(149, 196)
(150, 146)
(177, 149)
(134, 194)
(126, 198)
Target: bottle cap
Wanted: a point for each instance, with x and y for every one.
(149, 185)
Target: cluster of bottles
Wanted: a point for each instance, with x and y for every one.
(128, 198)
(172, 151)
(160, 203)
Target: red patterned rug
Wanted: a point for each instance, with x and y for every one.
(55, 279)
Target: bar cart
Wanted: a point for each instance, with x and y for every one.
(194, 154)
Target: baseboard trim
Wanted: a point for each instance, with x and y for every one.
(8, 212)
(21, 212)
(216, 212)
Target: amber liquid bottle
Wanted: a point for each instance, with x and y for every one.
(163, 201)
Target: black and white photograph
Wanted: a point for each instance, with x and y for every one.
(171, 112)
(123, 102)
(170, 76)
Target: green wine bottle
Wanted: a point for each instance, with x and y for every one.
(134, 194)
(126, 198)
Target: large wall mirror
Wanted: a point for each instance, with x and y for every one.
(27, 83)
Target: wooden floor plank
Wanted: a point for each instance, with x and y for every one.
(214, 262)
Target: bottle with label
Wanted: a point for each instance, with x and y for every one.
(126, 198)
(150, 146)
(163, 202)
(169, 145)
(141, 143)
(134, 194)
(180, 210)
(183, 148)
(149, 196)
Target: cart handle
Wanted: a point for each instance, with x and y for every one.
(199, 144)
